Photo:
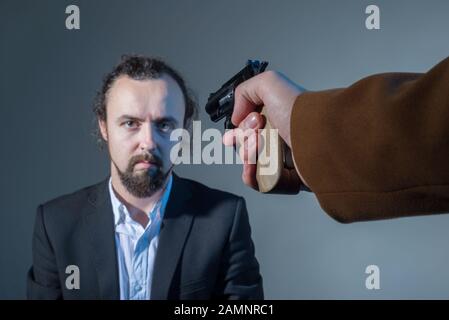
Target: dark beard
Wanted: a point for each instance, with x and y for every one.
(147, 181)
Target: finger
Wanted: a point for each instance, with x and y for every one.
(251, 149)
(249, 176)
(247, 144)
(229, 138)
(253, 120)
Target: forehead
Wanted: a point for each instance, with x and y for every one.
(143, 98)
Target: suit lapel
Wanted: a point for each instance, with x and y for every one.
(174, 230)
(99, 224)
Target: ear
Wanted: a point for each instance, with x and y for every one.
(103, 129)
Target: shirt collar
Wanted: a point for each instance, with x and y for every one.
(119, 210)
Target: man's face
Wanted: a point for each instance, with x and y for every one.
(141, 114)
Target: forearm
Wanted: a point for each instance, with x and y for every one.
(378, 149)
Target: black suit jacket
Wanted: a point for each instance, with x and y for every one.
(205, 249)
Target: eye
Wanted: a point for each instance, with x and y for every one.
(165, 126)
(130, 124)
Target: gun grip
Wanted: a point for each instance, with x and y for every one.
(270, 161)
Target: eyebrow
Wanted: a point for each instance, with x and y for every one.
(128, 117)
(159, 120)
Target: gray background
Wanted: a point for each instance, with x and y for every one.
(49, 76)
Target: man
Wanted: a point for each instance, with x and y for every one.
(378, 149)
(143, 233)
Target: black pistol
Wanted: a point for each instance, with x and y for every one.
(221, 103)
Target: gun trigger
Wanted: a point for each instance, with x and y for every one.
(228, 123)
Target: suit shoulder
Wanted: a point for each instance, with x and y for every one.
(73, 200)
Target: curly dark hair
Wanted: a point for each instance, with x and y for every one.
(140, 67)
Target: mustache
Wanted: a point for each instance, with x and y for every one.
(148, 157)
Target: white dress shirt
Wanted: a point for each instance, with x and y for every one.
(137, 246)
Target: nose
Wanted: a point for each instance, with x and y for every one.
(147, 141)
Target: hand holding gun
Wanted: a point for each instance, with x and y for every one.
(274, 171)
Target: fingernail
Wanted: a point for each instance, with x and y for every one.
(251, 122)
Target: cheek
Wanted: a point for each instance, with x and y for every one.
(122, 139)
(120, 147)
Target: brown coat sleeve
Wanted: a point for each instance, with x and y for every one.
(379, 148)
